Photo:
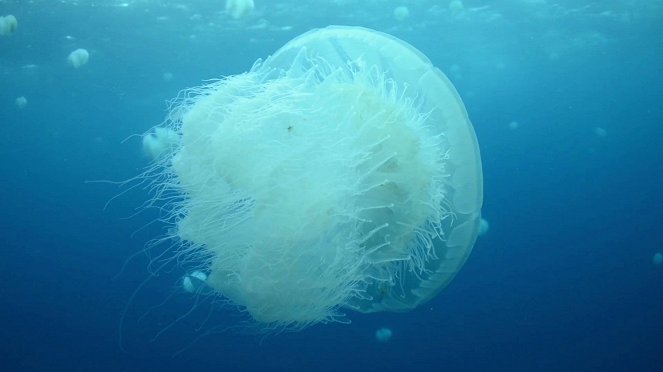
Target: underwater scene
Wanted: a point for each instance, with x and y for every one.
(331, 185)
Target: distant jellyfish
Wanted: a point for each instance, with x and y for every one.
(159, 142)
(194, 282)
(513, 125)
(383, 334)
(600, 132)
(401, 12)
(484, 226)
(167, 76)
(456, 6)
(21, 102)
(78, 58)
(239, 8)
(8, 24)
(657, 259)
(456, 71)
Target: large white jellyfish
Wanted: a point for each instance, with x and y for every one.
(340, 173)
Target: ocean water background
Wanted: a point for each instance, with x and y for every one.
(567, 101)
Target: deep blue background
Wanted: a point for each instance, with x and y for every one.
(564, 279)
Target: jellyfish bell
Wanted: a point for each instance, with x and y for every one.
(340, 173)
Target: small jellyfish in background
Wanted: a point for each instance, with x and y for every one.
(657, 259)
(8, 24)
(159, 142)
(401, 13)
(383, 334)
(513, 125)
(484, 226)
(21, 102)
(600, 132)
(456, 6)
(194, 281)
(456, 71)
(78, 58)
(239, 8)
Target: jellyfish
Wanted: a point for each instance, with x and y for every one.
(600, 132)
(456, 6)
(194, 281)
(239, 8)
(657, 259)
(78, 58)
(21, 102)
(383, 334)
(484, 226)
(159, 142)
(8, 24)
(401, 12)
(340, 174)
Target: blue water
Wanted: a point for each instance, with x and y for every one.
(567, 102)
